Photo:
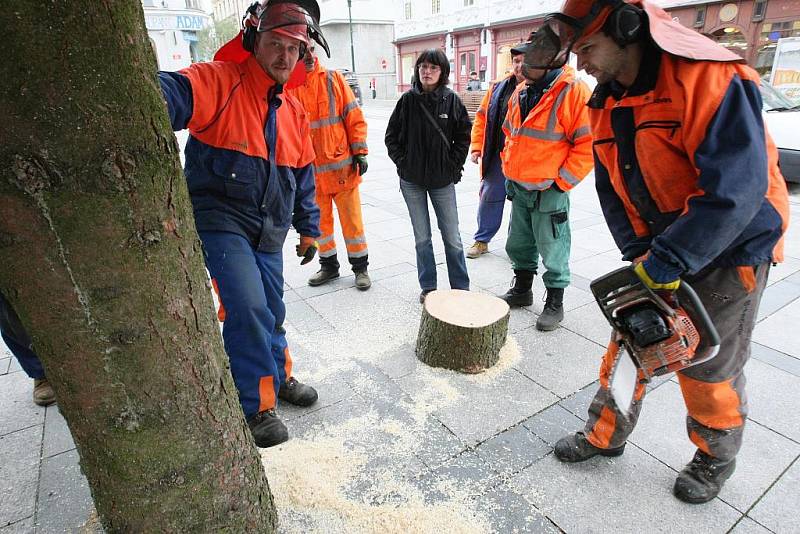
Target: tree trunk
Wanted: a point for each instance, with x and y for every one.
(462, 330)
(100, 258)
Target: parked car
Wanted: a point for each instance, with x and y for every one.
(352, 81)
(782, 118)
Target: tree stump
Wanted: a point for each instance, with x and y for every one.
(462, 330)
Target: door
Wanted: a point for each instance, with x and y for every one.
(467, 62)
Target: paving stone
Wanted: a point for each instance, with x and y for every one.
(521, 319)
(463, 476)
(17, 410)
(554, 423)
(775, 358)
(598, 265)
(65, 502)
(777, 510)
(24, 526)
(512, 450)
(508, 512)
(661, 431)
(57, 437)
(390, 229)
(493, 405)
(19, 473)
(788, 270)
(405, 286)
(589, 322)
(779, 330)
(596, 238)
(303, 317)
(398, 362)
(573, 297)
(631, 493)
(748, 526)
(560, 361)
(4, 364)
(578, 404)
(391, 270)
(773, 398)
(776, 297)
(488, 271)
(291, 296)
(14, 366)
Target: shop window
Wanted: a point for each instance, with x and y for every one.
(759, 10)
(469, 2)
(407, 67)
(700, 16)
(436, 6)
(408, 10)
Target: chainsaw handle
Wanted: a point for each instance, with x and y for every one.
(709, 337)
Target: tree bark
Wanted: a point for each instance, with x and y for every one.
(462, 330)
(100, 258)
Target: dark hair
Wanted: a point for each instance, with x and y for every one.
(434, 56)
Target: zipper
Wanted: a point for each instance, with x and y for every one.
(672, 126)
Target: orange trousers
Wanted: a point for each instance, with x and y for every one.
(348, 205)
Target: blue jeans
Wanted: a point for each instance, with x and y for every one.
(492, 201)
(251, 291)
(18, 342)
(444, 204)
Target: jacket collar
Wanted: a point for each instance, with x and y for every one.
(258, 78)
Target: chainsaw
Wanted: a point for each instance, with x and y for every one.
(657, 333)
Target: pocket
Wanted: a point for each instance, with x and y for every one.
(558, 222)
(238, 177)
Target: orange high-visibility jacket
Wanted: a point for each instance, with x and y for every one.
(553, 143)
(338, 129)
(485, 120)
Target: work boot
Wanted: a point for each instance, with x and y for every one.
(296, 393)
(362, 281)
(576, 448)
(702, 478)
(520, 293)
(267, 429)
(553, 312)
(478, 248)
(424, 294)
(323, 276)
(43, 394)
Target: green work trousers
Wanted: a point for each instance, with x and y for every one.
(540, 225)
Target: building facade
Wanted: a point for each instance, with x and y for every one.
(172, 26)
(477, 35)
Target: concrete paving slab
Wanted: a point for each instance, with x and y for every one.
(779, 330)
(14, 366)
(304, 318)
(506, 511)
(661, 431)
(57, 437)
(775, 358)
(777, 510)
(463, 476)
(4, 364)
(598, 265)
(24, 526)
(512, 450)
(596, 238)
(488, 271)
(554, 423)
(17, 410)
(776, 297)
(588, 322)
(578, 403)
(773, 399)
(560, 361)
(19, 474)
(748, 526)
(636, 492)
(64, 493)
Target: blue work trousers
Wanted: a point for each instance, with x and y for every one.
(444, 204)
(492, 200)
(17, 341)
(250, 287)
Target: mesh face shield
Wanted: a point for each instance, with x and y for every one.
(550, 45)
(289, 19)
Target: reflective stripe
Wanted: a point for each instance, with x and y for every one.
(357, 241)
(540, 134)
(507, 125)
(568, 177)
(327, 253)
(324, 240)
(358, 146)
(553, 119)
(580, 132)
(359, 254)
(331, 96)
(349, 107)
(481, 111)
(535, 186)
(334, 166)
(325, 122)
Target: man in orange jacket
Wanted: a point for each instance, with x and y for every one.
(548, 151)
(689, 184)
(339, 134)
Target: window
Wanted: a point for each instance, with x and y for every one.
(436, 6)
(700, 16)
(408, 10)
(759, 10)
(469, 2)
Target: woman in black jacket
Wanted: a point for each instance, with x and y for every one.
(428, 139)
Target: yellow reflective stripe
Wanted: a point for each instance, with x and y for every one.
(349, 107)
(580, 132)
(325, 122)
(334, 166)
(358, 146)
(568, 177)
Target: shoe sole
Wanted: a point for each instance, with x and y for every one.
(608, 453)
(315, 284)
(364, 288)
(547, 328)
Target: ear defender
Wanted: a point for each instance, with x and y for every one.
(248, 30)
(624, 24)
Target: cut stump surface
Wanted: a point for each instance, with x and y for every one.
(462, 330)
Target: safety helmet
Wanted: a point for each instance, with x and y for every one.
(285, 17)
(625, 21)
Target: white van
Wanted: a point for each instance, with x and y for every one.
(782, 118)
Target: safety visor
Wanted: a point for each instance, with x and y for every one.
(290, 20)
(550, 45)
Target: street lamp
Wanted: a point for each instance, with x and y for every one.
(350, 19)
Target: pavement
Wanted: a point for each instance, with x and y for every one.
(395, 446)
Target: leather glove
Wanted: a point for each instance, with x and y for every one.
(360, 163)
(641, 271)
(306, 249)
(475, 156)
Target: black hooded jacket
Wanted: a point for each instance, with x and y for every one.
(421, 155)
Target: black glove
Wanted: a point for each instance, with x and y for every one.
(555, 186)
(360, 164)
(306, 249)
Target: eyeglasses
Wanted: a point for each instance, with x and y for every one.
(429, 67)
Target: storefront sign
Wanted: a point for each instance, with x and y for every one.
(175, 22)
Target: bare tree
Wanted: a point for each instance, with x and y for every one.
(100, 258)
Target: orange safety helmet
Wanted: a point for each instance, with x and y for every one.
(625, 21)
